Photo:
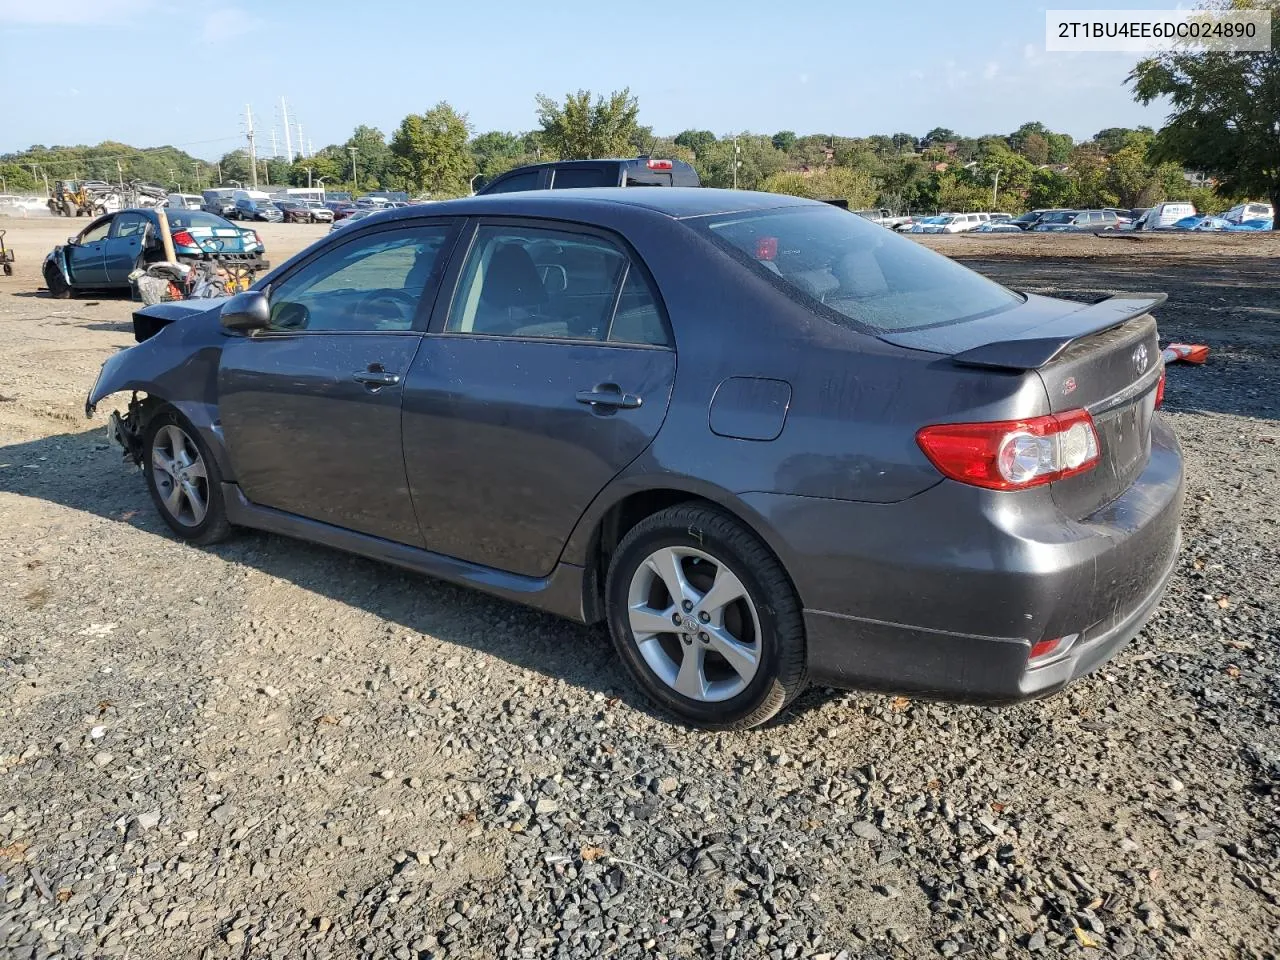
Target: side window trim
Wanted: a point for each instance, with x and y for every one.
(426, 304)
(451, 280)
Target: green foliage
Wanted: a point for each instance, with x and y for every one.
(759, 159)
(579, 129)
(695, 140)
(784, 140)
(496, 152)
(831, 183)
(1225, 106)
(108, 161)
(373, 157)
(961, 197)
(431, 153)
(1036, 149)
(1050, 189)
(939, 136)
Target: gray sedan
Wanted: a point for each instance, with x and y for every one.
(765, 441)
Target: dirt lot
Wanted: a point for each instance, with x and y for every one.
(269, 749)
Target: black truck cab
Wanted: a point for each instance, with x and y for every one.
(564, 174)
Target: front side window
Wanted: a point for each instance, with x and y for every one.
(854, 271)
(96, 232)
(374, 283)
(535, 282)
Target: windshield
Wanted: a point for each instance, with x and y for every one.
(854, 270)
(185, 219)
(1063, 216)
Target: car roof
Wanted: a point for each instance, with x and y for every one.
(674, 202)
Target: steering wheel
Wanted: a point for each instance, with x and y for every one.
(386, 310)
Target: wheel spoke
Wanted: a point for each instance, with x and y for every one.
(646, 621)
(741, 657)
(160, 461)
(691, 681)
(726, 589)
(173, 499)
(195, 501)
(196, 471)
(666, 564)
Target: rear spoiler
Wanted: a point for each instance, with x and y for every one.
(1039, 345)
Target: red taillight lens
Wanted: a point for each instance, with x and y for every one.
(184, 239)
(1013, 454)
(659, 164)
(1160, 390)
(766, 248)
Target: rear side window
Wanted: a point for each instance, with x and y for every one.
(557, 284)
(570, 177)
(855, 271)
(521, 181)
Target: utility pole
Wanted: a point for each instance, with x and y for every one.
(301, 150)
(275, 151)
(736, 162)
(284, 118)
(218, 167)
(120, 175)
(308, 169)
(197, 166)
(995, 187)
(355, 180)
(253, 150)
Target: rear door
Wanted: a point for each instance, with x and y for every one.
(311, 407)
(547, 373)
(124, 246)
(86, 258)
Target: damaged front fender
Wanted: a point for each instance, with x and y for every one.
(178, 367)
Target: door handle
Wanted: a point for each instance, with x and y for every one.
(376, 378)
(609, 395)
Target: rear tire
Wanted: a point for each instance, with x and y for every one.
(59, 289)
(738, 654)
(183, 479)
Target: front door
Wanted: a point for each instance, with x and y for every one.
(311, 407)
(551, 372)
(86, 258)
(124, 246)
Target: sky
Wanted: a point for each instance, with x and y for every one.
(148, 72)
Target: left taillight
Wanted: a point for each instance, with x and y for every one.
(184, 239)
(1160, 390)
(1013, 454)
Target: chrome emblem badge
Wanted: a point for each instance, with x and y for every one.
(1068, 386)
(1140, 358)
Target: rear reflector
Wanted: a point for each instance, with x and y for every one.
(1013, 454)
(1051, 649)
(1160, 391)
(659, 164)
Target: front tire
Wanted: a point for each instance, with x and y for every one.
(183, 479)
(705, 618)
(58, 287)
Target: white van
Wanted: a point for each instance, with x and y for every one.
(1164, 215)
(1249, 211)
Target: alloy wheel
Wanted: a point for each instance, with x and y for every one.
(180, 475)
(694, 623)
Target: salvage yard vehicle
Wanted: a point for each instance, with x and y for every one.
(870, 466)
(107, 251)
(293, 211)
(1077, 221)
(252, 205)
(571, 174)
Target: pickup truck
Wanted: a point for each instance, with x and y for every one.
(564, 174)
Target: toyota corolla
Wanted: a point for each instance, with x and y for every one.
(765, 441)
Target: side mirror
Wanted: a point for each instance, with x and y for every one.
(72, 241)
(246, 312)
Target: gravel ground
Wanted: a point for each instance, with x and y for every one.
(269, 749)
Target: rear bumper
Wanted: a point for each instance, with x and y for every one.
(945, 593)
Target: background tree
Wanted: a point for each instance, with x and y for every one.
(1036, 149)
(431, 151)
(695, 140)
(784, 139)
(759, 160)
(579, 129)
(939, 136)
(832, 183)
(373, 156)
(1225, 109)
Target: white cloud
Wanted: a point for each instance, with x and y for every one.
(804, 78)
(227, 24)
(74, 13)
(989, 72)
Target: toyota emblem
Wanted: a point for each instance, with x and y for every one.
(1140, 358)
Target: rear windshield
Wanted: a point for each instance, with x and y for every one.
(184, 219)
(854, 270)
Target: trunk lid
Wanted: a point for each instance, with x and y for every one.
(1102, 357)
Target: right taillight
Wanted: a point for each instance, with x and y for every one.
(1160, 390)
(1013, 454)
